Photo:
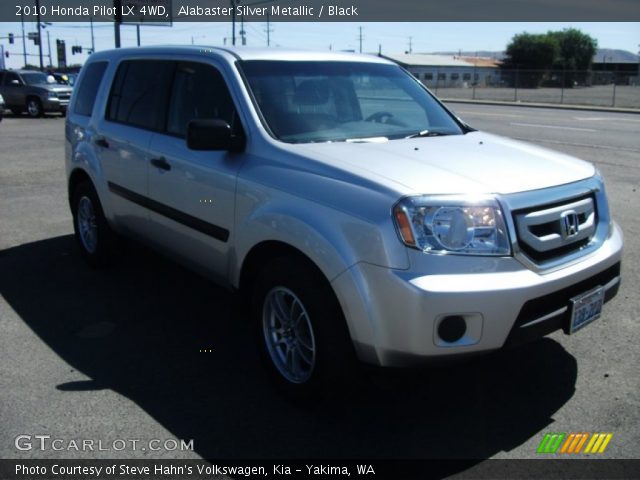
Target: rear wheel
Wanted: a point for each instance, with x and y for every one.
(93, 234)
(302, 333)
(34, 107)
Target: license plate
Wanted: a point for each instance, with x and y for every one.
(586, 308)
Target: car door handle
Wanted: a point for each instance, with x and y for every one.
(101, 142)
(161, 163)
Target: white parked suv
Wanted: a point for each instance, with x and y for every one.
(359, 216)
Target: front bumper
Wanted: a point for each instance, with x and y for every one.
(53, 104)
(393, 315)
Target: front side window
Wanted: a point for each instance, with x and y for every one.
(10, 77)
(199, 91)
(139, 92)
(343, 101)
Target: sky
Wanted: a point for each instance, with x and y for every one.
(390, 37)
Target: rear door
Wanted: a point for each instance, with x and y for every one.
(135, 110)
(194, 191)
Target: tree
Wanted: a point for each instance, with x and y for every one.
(567, 50)
(575, 49)
(575, 54)
(531, 52)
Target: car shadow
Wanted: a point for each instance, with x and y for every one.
(48, 115)
(141, 328)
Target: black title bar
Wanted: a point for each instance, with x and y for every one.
(168, 11)
(159, 469)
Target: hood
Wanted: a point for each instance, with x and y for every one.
(58, 88)
(473, 163)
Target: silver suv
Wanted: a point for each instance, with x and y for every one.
(360, 217)
(33, 92)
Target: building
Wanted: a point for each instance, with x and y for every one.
(446, 71)
(619, 66)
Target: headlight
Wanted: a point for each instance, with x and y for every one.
(452, 224)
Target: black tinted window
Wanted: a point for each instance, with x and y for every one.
(139, 93)
(9, 76)
(199, 91)
(87, 91)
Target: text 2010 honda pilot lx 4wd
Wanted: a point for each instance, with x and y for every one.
(361, 217)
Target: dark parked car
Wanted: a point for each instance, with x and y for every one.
(33, 92)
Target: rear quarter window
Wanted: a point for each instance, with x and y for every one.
(88, 89)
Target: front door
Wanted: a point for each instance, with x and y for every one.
(194, 191)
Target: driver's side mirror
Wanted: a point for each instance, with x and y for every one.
(212, 134)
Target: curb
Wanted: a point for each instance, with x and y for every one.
(587, 108)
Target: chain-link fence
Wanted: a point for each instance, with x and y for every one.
(596, 88)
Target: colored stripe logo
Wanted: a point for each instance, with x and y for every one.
(573, 443)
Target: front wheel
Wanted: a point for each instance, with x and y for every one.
(34, 107)
(302, 333)
(92, 232)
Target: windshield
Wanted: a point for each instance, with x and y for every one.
(344, 101)
(34, 78)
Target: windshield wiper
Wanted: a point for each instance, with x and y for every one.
(426, 133)
(367, 140)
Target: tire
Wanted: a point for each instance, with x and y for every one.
(93, 235)
(316, 356)
(34, 107)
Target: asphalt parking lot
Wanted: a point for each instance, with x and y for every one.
(117, 354)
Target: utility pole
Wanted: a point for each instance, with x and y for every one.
(93, 40)
(233, 22)
(360, 38)
(410, 44)
(269, 30)
(39, 36)
(138, 33)
(117, 19)
(49, 45)
(24, 42)
(242, 32)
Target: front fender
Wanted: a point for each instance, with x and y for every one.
(333, 240)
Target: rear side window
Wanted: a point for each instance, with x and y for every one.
(139, 92)
(88, 90)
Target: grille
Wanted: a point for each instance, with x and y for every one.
(551, 231)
